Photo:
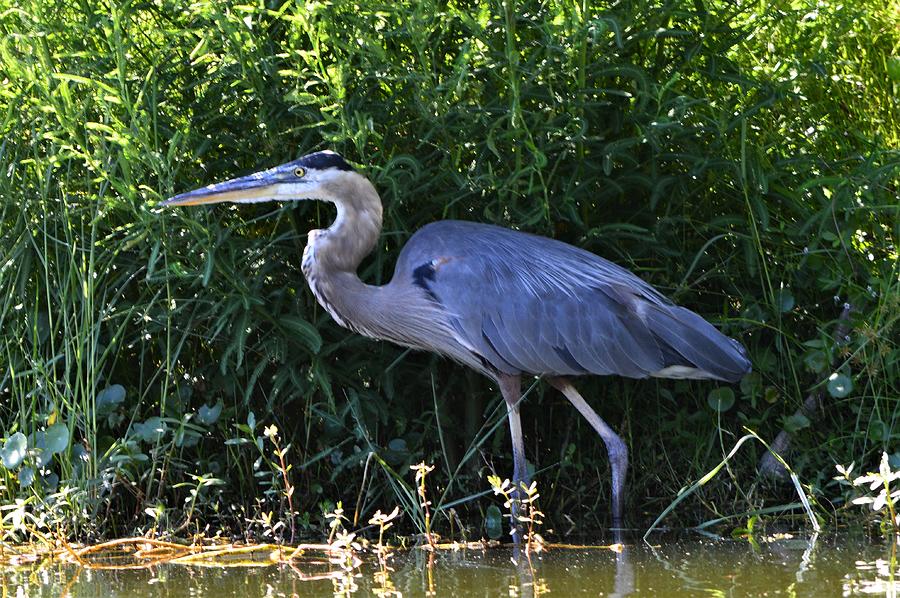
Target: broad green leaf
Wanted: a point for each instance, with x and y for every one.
(397, 452)
(110, 398)
(13, 452)
(793, 423)
(893, 68)
(785, 300)
(150, 430)
(721, 399)
(303, 331)
(50, 482)
(38, 443)
(493, 522)
(26, 477)
(878, 431)
(57, 438)
(186, 437)
(816, 361)
(751, 384)
(839, 385)
(209, 415)
(894, 460)
(398, 444)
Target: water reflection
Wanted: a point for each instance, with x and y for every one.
(811, 566)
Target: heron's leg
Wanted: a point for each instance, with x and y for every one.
(615, 446)
(511, 387)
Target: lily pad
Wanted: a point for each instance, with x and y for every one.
(816, 361)
(793, 423)
(13, 452)
(209, 415)
(785, 300)
(186, 437)
(110, 398)
(57, 438)
(751, 384)
(38, 443)
(26, 477)
(150, 430)
(721, 399)
(50, 482)
(839, 385)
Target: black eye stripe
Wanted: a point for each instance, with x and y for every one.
(324, 161)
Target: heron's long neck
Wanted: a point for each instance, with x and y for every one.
(332, 256)
(396, 312)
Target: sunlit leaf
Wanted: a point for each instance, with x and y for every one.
(13, 452)
(56, 438)
(839, 385)
(38, 443)
(893, 68)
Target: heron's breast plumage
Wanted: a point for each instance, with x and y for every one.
(317, 283)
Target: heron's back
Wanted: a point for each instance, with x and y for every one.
(521, 303)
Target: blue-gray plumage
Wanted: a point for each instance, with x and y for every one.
(503, 302)
(524, 304)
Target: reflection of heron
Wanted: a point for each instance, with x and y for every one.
(503, 302)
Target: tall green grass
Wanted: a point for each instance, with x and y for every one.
(742, 158)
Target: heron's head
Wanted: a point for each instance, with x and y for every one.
(322, 175)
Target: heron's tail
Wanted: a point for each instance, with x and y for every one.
(689, 341)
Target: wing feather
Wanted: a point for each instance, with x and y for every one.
(531, 304)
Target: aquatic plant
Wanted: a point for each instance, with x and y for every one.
(422, 470)
(522, 509)
(881, 496)
(336, 521)
(271, 432)
(383, 521)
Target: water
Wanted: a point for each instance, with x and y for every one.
(785, 566)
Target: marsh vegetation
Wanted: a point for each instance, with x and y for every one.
(169, 374)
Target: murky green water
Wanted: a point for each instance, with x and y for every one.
(835, 566)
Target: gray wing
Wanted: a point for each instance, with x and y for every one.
(529, 304)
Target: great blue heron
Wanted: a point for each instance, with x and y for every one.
(503, 302)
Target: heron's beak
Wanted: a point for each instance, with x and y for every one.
(255, 187)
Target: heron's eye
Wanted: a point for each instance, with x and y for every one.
(299, 172)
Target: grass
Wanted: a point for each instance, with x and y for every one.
(741, 158)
